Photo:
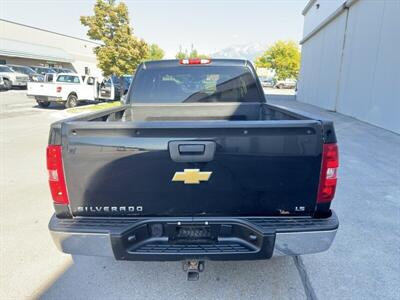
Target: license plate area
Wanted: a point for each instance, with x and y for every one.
(193, 233)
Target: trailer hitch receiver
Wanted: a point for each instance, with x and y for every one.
(193, 269)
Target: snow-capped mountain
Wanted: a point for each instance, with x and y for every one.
(246, 51)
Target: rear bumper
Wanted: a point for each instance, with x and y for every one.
(155, 239)
(46, 98)
(19, 83)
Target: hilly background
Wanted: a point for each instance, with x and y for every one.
(244, 51)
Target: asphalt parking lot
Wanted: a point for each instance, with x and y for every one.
(363, 263)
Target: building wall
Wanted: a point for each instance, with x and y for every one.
(80, 49)
(31, 62)
(315, 16)
(370, 82)
(352, 65)
(320, 65)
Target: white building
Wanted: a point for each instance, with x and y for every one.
(26, 45)
(351, 59)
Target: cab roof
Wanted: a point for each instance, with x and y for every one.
(213, 62)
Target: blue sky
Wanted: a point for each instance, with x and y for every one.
(209, 25)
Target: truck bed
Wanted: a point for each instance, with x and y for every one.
(193, 112)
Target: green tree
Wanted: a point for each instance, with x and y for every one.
(195, 54)
(155, 52)
(283, 57)
(120, 51)
(181, 54)
(192, 54)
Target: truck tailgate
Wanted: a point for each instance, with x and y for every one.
(41, 89)
(253, 167)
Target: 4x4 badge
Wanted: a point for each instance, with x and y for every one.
(191, 176)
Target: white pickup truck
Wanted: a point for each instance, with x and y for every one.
(69, 88)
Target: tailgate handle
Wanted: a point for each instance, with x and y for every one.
(192, 151)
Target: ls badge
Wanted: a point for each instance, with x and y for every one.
(191, 176)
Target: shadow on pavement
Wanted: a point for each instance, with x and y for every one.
(61, 106)
(52, 106)
(104, 278)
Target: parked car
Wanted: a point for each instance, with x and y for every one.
(63, 70)
(12, 78)
(33, 76)
(2, 84)
(67, 88)
(286, 84)
(196, 165)
(126, 80)
(267, 82)
(43, 70)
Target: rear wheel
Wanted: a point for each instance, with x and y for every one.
(72, 101)
(7, 84)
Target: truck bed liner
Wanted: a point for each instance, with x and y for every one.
(213, 111)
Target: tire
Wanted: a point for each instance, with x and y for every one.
(43, 103)
(7, 84)
(72, 101)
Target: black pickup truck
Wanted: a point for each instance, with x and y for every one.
(194, 166)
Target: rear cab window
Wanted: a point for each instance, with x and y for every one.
(195, 83)
(68, 79)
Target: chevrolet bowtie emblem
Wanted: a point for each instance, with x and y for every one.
(191, 176)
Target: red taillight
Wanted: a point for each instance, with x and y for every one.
(56, 175)
(58, 89)
(195, 61)
(328, 179)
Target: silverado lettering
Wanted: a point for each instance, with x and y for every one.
(109, 209)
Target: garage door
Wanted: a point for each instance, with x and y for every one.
(369, 87)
